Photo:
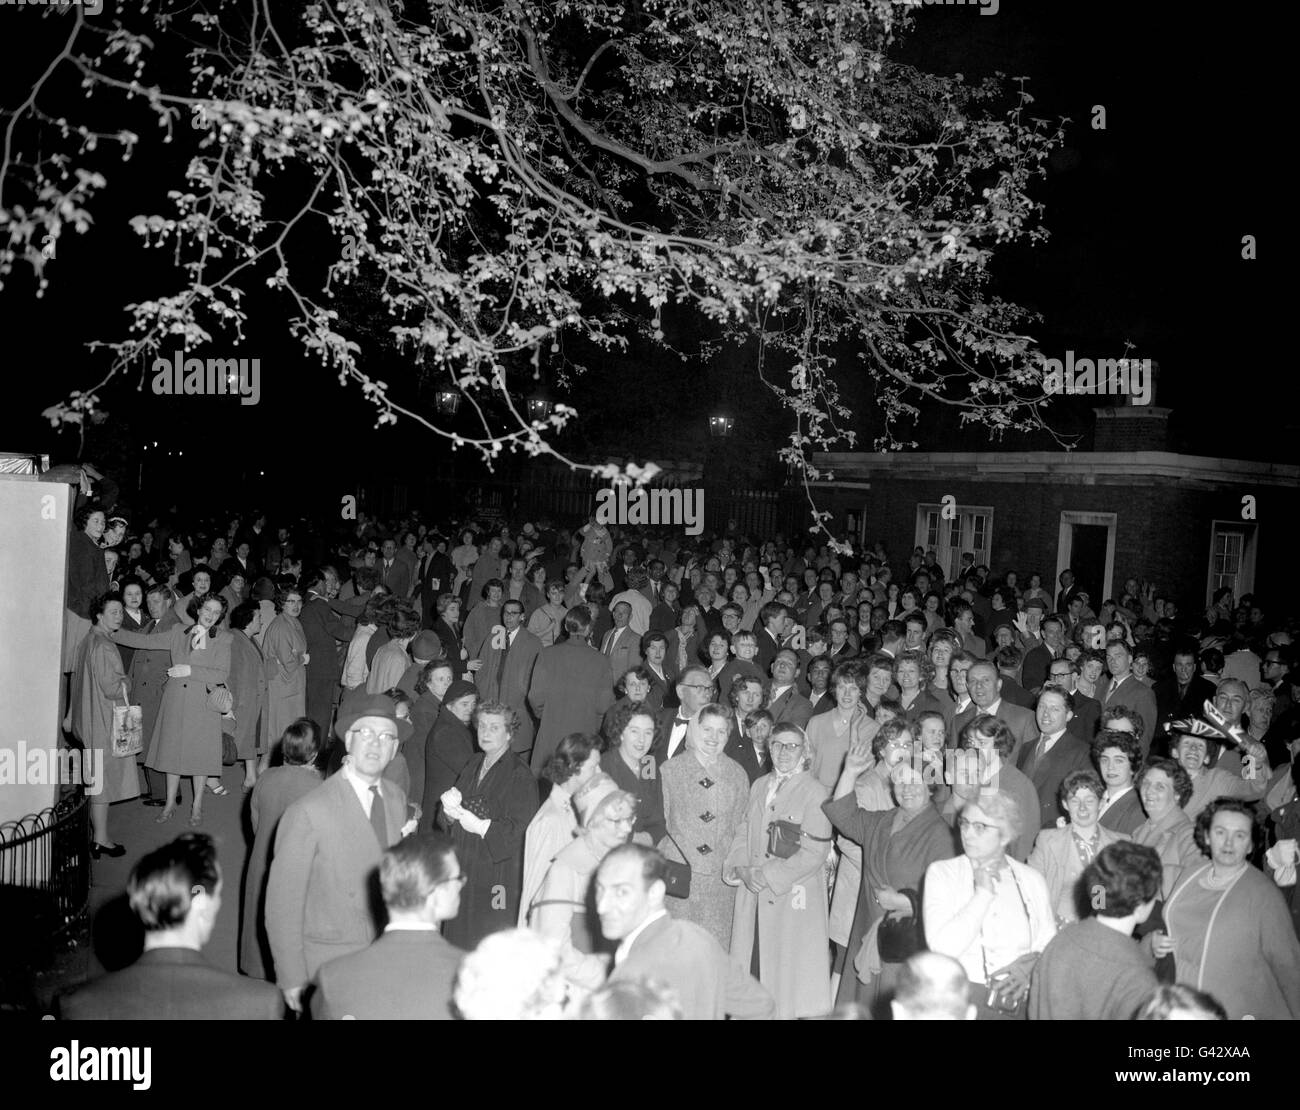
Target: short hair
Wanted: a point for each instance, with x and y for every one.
(161, 887)
(102, 602)
(932, 985)
(876, 661)
(923, 665)
(413, 868)
(515, 602)
(642, 999)
(1169, 998)
(1001, 806)
(1121, 712)
(654, 636)
(944, 636)
(850, 671)
(512, 975)
(893, 630)
(1177, 775)
(618, 720)
(1060, 691)
(1092, 655)
(196, 603)
(490, 585)
(300, 742)
(986, 724)
(1126, 742)
(929, 715)
(1074, 667)
(758, 716)
(714, 709)
(243, 613)
(422, 684)
(717, 634)
(914, 617)
(1083, 779)
(498, 709)
(733, 695)
(771, 610)
(402, 619)
(162, 590)
(577, 621)
(1122, 877)
(887, 734)
(1223, 805)
(1211, 659)
(1008, 658)
(570, 756)
(445, 601)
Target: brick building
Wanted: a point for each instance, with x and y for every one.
(1129, 507)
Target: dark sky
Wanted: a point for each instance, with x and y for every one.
(1146, 219)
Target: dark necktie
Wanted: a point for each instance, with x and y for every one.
(501, 664)
(377, 821)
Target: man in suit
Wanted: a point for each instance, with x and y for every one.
(175, 891)
(746, 696)
(710, 986)
(408, 973)
(1087, 711)
(1069, 591)
(324, 630)
(328, 845)
(1038, 660)
(963, 623)
(518, 588)
(985, 688)
(507, 672)
(434, 576)
(1008, 660)
(635, 596)
(1125, 689)
(244, 560)
(394, 574)
(820, 696)
(785, 703)
(774, 621)
(695, 690)
(1184, 694)
(622, 646)
(571, 688)
(1054, 754)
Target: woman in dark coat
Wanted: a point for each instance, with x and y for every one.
(247, 686)
(276, 790)
(487, 813)
(449, 749)
(87, 579)
(447, 627)
(897, 846)
(434, 681)
(149, 677)
(629, 736)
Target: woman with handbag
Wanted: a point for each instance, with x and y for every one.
(988, 911)
(777, 863)
(98, 685)
(186, 739)
(898, 846)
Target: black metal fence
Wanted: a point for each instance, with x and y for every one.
(44, 889)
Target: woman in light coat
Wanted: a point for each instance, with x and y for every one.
(284, 650)
(780, 928)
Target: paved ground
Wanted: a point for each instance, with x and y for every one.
(114, 933)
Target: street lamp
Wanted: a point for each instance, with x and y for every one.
(720, 426)
(447, 401)
(539, 408)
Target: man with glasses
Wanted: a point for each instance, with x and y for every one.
(695, 690)
(1087, 711)
(409, 972)
(328, 844)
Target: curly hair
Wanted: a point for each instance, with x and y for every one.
(570, 757)
(1126, 742)
(619, 718)
(922, 661)
(1177, 775)
(497, 709)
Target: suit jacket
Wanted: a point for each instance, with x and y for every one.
(320, 898)
(1170, 705)
(792, 707)
(407, 974)
(741, 749)
(1087, 713)
(510, 683)
(324, 631)
(570, 691)
(663, 618)
(1037, 665)
(823, 705)
(397, 579)
(625, 654)
(173, 984)
(436, 575)
(1047, 772)
(708, 983)
(1020, 721)
(1137, 696)
(1125, 816)
(1016, 694)
(663, 734)
(767, 649)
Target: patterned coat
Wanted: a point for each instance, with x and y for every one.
(704, 808)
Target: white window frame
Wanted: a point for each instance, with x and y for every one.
(1246, 575)
(949, 557)
(1065, 549)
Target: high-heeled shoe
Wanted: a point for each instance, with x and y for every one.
(165, 815)
(97, 850)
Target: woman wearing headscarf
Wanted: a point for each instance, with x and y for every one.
(187, 736)
(777, 863)
(564, 907)
(284, 652)
(98, 684)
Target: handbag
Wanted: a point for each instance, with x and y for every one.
(229, 753)
(783, 838)
(677, 876)
(220, 699)
(128, 728)
(901, 938)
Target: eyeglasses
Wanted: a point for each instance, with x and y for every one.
(368, 734)
(776, 746)
(699, 685)
(979, 828)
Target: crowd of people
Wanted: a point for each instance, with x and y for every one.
(616, 772)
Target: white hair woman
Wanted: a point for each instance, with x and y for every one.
(987, 910)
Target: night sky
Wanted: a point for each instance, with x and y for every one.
(1146, 220)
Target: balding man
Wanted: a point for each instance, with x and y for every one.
(932, 987)
(695, 690)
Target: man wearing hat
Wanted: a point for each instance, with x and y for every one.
(423, 650)
(327, 847)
